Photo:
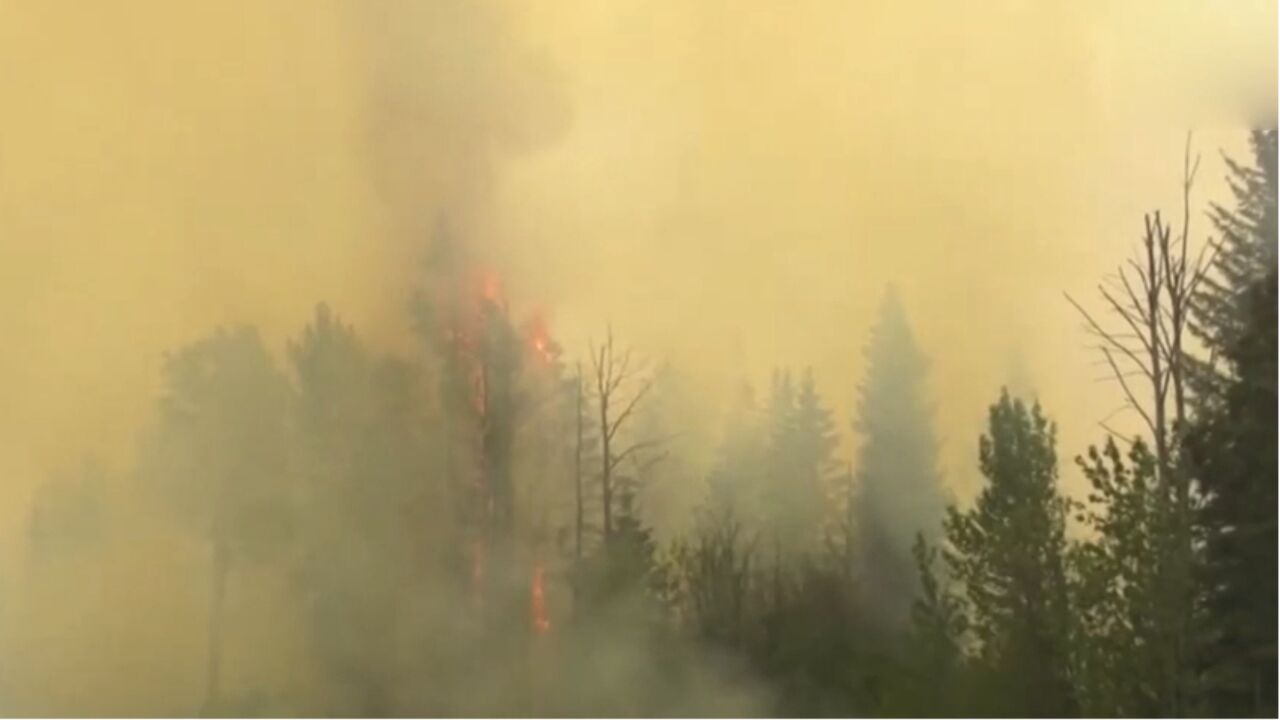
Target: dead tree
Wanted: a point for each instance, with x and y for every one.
(618, 384)
(1152, 298)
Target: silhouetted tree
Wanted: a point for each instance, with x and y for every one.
(1233, 446)
(1247, 250)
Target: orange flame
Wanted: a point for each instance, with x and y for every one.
(540, 341)
(537, 603)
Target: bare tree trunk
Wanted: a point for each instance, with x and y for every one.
(1159, 379)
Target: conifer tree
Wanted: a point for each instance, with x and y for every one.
(1231, 442)
(1233, 448)
(801, 444)
(1246, 253)
(899, 489)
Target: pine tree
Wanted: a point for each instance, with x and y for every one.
(1233, 449)
(899, 488)
(1008, 553)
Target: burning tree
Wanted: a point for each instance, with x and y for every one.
(494, 376)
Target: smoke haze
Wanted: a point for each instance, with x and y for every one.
(730, 185)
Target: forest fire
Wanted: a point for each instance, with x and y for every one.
(540, 342)
(490, 358)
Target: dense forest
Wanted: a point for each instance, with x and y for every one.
(467, 528)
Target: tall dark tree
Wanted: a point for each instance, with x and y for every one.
(1008, 553)
(900, 491)
(220, 451)
(1231, 441)
(1233, 449)
(1246, 253)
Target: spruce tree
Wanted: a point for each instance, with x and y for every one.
(1246, 253)
(899, 488)
(1231, 443)
(1233, 449)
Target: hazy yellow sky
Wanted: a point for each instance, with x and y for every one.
(731, 183)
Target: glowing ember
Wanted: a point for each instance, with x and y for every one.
(537, 602)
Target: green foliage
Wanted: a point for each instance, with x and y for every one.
(1231, 444)
(1120, 644)
(709, 578)
(931, 675)
(1233, 449)
(1008, 553)
(622, 575)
